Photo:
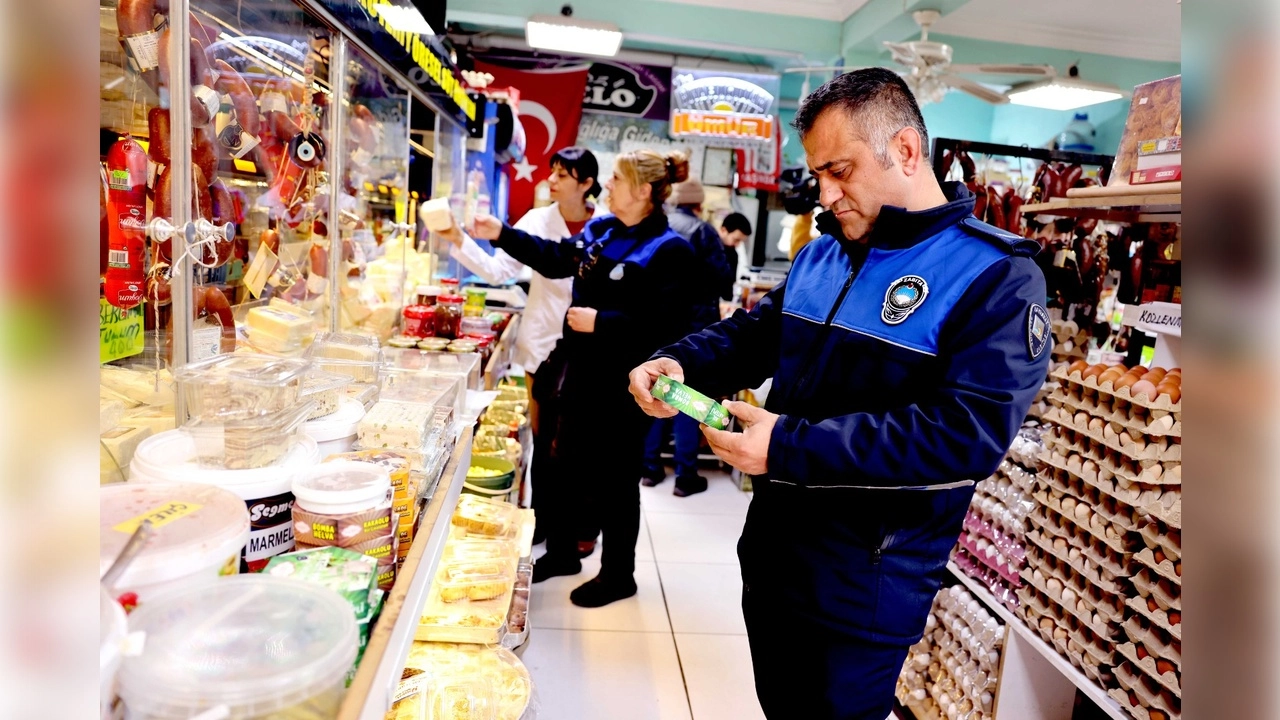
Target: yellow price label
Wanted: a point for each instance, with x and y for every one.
(159, 517)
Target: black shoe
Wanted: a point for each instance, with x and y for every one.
(586, 548)
(549, 566)
(650, 478)
(598, 592)
(686, 486)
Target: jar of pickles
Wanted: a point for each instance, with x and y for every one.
(475, 300)
(419, 321)
(448, 315)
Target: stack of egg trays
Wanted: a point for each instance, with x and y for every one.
(953, 671)
(1119, 457)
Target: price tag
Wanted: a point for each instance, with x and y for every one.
(206, 342)
(119, 332)
(264, 263)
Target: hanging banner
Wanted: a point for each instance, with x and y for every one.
(724, 108)
(760, 166)
(550, 109)
(119, 332)
(618, 88)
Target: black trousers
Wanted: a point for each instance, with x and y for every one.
(804, 669)
(599, 451)
(544, 414)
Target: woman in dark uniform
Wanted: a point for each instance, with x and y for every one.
(631, 288)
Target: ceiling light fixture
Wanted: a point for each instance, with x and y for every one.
(569, 35)
(1066, 93)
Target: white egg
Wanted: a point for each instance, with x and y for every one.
(1068, 596)
(986, 699)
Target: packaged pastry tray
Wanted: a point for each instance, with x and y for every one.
(240, 386)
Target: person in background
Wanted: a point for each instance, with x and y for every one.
(734, 232)
(714, 281)
(631, 286)
(801, 234)
(573, 183)
(905, 345)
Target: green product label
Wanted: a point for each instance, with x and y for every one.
(119, 180)
(691, 403)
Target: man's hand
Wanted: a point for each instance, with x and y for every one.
(582, 319)
(485, 227)
(643, 378)
(747, 451)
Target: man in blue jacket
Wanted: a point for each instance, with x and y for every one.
(905, 347)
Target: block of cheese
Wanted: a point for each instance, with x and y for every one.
(109, 414)
(280, 325)
(155, 419)
(436, 214)
(136, 387)
(395, 425)
(117, 448)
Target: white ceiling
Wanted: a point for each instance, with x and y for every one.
(1142, 29)
(836, 10)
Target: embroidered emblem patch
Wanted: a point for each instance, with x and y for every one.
(903, 297)
(617, 272)
(1038, 336)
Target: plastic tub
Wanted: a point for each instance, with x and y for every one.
(440, 389)
(344, 353)
(268, 492)
(342, 503)
(324, 389)
(258, 646)
(336, 433)
(240, 386)
(247, 443)
(464, 365)
(112, 628)
(199, 533)
(490, 477)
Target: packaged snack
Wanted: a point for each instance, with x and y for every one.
(691, 402)
(490, 518)
(342, 503)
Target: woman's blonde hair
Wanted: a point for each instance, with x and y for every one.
(660, 171)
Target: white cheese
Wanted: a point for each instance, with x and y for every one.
(395, 425)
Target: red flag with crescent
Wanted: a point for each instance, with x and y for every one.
(550, 109)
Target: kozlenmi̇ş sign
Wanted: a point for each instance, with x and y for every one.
(734, 108)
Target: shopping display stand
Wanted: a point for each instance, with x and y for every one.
(373, 689)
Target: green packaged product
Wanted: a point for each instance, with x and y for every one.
(350, 574)
(691, 402)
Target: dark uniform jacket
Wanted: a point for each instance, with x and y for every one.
(902, 368)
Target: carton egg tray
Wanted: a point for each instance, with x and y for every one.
(957, 661)
(1056, 553)
(991, 556)
(1062, 404)
(1093, 434)
(1038, 598)
(1161, 500)
(1155, 641)
(1068, 645)
(1158, 534)
(1143, 697)
(1157, 591)
(1163, 566)
(1163, 619)
(1065, 586)
(1018, 473)
(1077, 385)
(1071, 491)
(1151, 468)
(1049, 518)
(1008, 543)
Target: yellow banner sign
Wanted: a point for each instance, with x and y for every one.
(721, 125)
(119, 332)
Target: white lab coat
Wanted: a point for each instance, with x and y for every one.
(542, 323)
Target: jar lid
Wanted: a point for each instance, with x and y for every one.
(342, 482)
(403, 341)
(428, 290)
(435, 344)
(450, 282)
(452, 299)
(418, 310)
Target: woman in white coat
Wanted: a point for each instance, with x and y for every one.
(573, 184)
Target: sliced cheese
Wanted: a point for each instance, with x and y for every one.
(268, 324)
(117, 448)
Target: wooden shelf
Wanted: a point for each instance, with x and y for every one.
(1015, 624)
(375, 683)
(1163, 207)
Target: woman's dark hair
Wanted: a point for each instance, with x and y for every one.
(581, 166)
(737, 221)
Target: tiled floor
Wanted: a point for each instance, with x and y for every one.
(678, 649)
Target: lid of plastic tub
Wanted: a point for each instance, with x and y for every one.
(196, 526)
(342, 423)
(342, 482)
(170, 456)
(257, 644)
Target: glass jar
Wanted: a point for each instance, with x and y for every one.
(474, 306)
(450, 286)
(448, 312)
(477, 327)
(427, 295)
(434, 344)
(419, 321)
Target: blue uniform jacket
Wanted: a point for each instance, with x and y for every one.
(902, 368)
(716, 277)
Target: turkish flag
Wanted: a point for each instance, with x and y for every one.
(550, 109)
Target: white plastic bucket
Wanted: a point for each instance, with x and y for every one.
(267, 492)
(336, 433)
(199, 532)
(112, 629)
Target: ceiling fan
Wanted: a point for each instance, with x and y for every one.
(930, 73)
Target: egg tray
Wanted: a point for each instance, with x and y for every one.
(1167, 569)
(997, 533)
(1002, 569)
(1121, 420)
(1104, 447)
(1157, 641)
(1087, 662)
(966, 655)
(996, 584)
(1158, 617)
(1149, 471)
(1169, 680)
(1157, 534)
(1165, 593)
(1018, 473)
(1108, 604)
(1151, 694)
(1139, 712)
(1057, 523)
(1113, 585)
(1121, 514)
(1160, 403)
(1039, 599)
(1117, 564)
(1160, 501)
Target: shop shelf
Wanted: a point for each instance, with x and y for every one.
(1159, 207)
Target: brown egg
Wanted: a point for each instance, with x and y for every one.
(1151, 604)
(1174, 371)
(1142, 652)
(1093, 371)
(1143, 387)
(1126, 380)
(1153, 714)
(1159, 556)
(1177, 568)
(1155, 375)
(1165, 666)
(1133, 699)
(1110, 375)
(1082, 419)
(1077, 366)
(1173, 390)
(1175, 617)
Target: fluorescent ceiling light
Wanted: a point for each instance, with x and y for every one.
(405, 19)
(1062, 94)
(569, 35)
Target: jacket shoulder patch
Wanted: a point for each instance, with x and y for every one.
(1003, 239)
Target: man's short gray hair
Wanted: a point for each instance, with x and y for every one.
(877, 99)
